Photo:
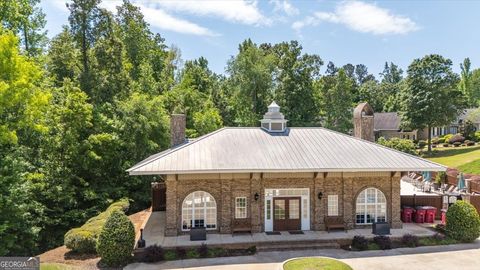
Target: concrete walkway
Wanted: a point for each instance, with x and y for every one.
(463, 256)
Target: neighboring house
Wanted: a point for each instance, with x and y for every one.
(276, 178)
(457, 125)
(387, 125)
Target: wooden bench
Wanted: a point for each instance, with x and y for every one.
(334, 223)
(241, 225)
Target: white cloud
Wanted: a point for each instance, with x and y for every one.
(284, 6)
(361, 17)
(239, 11)
(160, 19)
(156, 17)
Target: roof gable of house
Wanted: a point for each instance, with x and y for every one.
(232, 150)
(387, 121)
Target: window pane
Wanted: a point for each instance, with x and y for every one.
(279, 209)
(199, 210)
(332, 204)
(269, 209)
(371, 206)
(294, 209)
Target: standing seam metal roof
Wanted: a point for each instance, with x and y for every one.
(295, 150)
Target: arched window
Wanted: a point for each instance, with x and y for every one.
(199, 209)
(371, 206)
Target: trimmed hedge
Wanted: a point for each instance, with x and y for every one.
(463, 222)
(84, 239)
(116, 241)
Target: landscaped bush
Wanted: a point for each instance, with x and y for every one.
(203, 251)
(116, 241)
(469, 143)
(422, 144)
(447, 137)
(403, 145)
(181, 252)
(359, 243)
(456, 138)
(410, 240)
(383, 242)
(463, 222)
(153, 253)
(457, 144)
(252, 250)
(477, 136)
(84, 239)
(446, 145)
(441, 140)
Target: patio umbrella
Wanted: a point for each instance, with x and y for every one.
(427, 176)
(461, 181)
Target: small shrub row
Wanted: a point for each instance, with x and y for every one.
(156, 253)
(84, 238)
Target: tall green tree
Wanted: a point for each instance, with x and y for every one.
(391, 87)
(469, 84)
(27, 20)
(431, 97)
(63, 61)
(251, 82)
(294, 77)
(337, 101)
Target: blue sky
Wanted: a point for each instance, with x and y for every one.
(357, 32)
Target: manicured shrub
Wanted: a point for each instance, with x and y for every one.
(463, 222)
(422, 144)
(84, 239)
(192, 254)
(203, 250)
(181, 252)
(447, 137)
(252, 250)
(383, 242)
(153, 253)
(470, 143)
(403, 145)
(445, 145)
(170, 255)
(116, 241)
(410, 240)
(456, 138)
(359, 242)
(457, 144)
(441, 140)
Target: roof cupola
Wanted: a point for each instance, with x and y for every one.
(273, 120)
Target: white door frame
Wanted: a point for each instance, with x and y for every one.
(271, 193)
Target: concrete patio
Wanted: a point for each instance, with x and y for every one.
(154, 234)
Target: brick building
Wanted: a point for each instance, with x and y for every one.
(276, 178)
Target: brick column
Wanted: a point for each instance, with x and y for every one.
(348, 202)
(256, 206)
(226, 211)
(318, 218)
(396, 202)
(171, 226)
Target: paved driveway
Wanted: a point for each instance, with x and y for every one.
(464, 256)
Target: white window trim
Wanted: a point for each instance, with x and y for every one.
(204, 211)
(332, 205)
(366, 203)
(237, 207)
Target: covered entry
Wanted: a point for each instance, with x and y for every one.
(287, 209)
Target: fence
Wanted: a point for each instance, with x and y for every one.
(419, 200)
(475, 201)
(159, 197)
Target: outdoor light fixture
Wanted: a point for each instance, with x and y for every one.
(320, 195)
(256, 196)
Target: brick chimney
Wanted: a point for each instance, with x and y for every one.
(178, 123)
(363, 122)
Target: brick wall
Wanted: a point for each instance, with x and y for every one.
(225, 187)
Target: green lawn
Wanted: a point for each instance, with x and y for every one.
(457, 157)
(316, 264)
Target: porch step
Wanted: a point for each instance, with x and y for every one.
(280, 246)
